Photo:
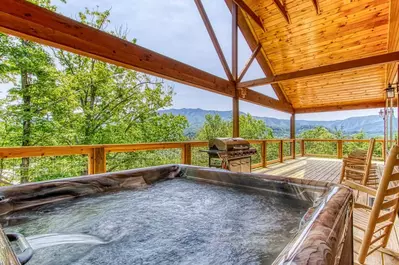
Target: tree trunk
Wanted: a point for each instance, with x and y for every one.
(26, 124)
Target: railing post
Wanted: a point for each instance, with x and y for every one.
(281, 151)
(340, 151)
(186, 154)
(97, 161)
(264, 153)
(383, 150)
(293, 149)
(302, 147)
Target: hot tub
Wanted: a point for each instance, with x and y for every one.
(176, 214)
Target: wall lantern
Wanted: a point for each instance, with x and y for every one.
(390, 91)
(382, 113)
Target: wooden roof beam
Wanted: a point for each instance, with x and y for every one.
(354, 64)
(250, 13)
(362, 105)
(26, 20)
(214, 39)
(260, 58)
(316, 6)
(29, 21)
(282, 10)
(249, 62)
(255, 97)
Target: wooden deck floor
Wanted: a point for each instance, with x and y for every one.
(329, 170)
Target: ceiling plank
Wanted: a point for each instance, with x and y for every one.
(253, 43)
(354, 64)
(316, 6)
(282, 10)
(361, 105)
(214, 39)
(249, 12)
(249, 62)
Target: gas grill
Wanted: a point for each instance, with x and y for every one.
(233, 154)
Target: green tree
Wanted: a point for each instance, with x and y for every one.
(32, 101)
(251, 128)
(213, 127)
(106, 95)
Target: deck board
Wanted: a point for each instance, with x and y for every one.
(329, 170)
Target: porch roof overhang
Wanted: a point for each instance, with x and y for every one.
(318, 55)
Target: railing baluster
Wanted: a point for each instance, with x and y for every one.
(264, 153)
(186, 154)
(302, 147)
(97, 161)
(281, 151)
(340, 149)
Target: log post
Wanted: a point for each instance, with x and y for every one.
(234, 71)
(264, 153)
(186, 154)
(302, 147)
(281, 151)
(97, 161)
(340, 149)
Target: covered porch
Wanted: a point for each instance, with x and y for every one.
(312, 66)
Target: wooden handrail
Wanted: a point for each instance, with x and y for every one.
(97, 153)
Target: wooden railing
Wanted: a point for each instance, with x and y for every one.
(339, 147)
(97, 153)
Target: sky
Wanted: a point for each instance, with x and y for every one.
(174, 28)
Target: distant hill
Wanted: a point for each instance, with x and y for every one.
(372, 125)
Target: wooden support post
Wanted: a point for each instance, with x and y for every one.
(186, 154)
(234, 71)
(302, 147)
(281, 151)
(264, 153)
(292, 134)
(340, 151)
(97, 161)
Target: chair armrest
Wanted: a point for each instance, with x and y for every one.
(360, 187)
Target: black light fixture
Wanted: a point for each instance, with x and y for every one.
(390, 91)
(382, 113)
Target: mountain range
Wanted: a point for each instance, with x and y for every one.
(372, 125)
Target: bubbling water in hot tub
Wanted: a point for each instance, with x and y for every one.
(176, 221)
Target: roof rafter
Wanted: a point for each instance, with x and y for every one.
(249, 62)
(214, 39)
(250, 12)
(260, 58)
(353, 64)
(282, 10)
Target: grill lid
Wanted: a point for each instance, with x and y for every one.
(228, 144)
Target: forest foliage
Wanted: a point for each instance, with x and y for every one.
(60, 98)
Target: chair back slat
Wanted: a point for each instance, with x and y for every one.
(369, 159)
(392, 191)
(389, 204)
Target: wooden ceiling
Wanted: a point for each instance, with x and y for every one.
(305, 34)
